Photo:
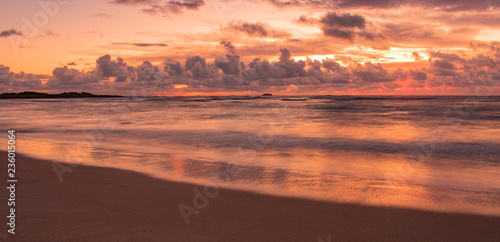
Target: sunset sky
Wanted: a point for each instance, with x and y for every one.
(181, 47)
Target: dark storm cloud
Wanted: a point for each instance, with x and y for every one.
(343, 20)
(229, 65)
(163, 7)
(10, 32)
(142, 44)
(258, 29)
(346, 26)
(343, 34)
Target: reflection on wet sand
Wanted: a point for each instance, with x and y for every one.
(279, 182)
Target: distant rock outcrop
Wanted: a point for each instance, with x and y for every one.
(46, 95)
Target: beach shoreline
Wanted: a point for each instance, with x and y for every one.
(105, 204)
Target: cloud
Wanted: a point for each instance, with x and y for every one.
(229, 65)
(418, 75)
(68, 78)
(198, 67)
(343, 20)
(10, 32)
(229, 47)
(151, 75)
(442, 64)
(454, 70)
(421, 33)
(163, 7)
(48, 33)
(110, 68)
(416, 56)
(338, 33)
(258, 29)
(493, 46)
(14, 82)
(370, 72)
(446, 56)
(306, 20)
(142, 44)
(224, 74)
(229, 73)
(103, 15)
(441, 5)
(5, 74)
(173, 68)
(346, 26)
(288, 71)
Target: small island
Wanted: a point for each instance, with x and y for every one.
(267, 95)
(47, 95)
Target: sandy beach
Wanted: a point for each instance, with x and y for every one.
(103, 204)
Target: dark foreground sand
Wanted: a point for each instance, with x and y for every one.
(102, 204)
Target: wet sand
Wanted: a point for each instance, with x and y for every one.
(104, 204)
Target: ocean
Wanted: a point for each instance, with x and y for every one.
(427, 152)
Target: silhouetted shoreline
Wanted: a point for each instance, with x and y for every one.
(47, 95)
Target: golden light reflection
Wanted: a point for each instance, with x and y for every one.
(177, 165)
(286, 182)
(177, 86)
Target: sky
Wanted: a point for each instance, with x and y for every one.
(237, 47)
